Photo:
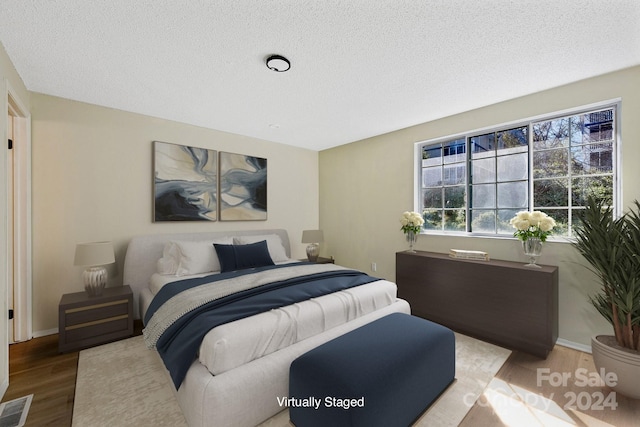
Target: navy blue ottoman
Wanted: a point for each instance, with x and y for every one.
(385, 373)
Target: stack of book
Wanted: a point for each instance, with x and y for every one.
(464, 254)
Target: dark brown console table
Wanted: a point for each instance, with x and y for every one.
(498, 301)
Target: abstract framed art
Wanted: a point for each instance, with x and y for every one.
(243, 187)
(185, 184)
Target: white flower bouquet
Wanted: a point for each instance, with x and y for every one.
(534, 224)
(411, 221)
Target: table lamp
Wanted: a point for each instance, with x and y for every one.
(313, 237)
(94, 256)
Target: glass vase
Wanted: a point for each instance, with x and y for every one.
(532, 248)
(412, 238)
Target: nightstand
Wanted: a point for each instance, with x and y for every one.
(321, 260)
(85, 321)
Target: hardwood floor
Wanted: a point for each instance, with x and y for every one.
(573, 401)
(36, 367)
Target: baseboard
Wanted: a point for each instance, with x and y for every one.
(574, 345)
(3, 387)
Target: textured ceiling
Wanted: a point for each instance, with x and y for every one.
(360, 68)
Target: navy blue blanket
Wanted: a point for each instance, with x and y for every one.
(179, 344)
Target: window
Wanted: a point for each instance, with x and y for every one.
(478, 182)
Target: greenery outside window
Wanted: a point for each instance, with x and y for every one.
(477, 182)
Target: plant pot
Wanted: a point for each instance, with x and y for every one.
(624, 363)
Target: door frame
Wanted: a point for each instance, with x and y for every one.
(21, 247)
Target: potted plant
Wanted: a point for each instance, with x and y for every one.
(612, 248)
(532, 228)
(411, 226)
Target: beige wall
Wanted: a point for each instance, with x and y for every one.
(92, 181)
(365, 186)
(9, 80)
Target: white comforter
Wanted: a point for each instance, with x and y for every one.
(236, 343)
(233, 344)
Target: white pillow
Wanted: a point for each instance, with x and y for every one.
(200, 256)
(274, 244)
(170, 261)
(183, 257)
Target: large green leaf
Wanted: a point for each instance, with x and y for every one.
(612, 248)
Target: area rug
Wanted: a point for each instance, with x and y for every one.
(125, 384)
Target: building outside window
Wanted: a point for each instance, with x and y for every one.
(477, 182)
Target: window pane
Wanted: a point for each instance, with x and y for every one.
(513, 195)
(561, 216)
(514, 167)
(484, 170)
(576, 217)
(432, 155)
(550, 163)
(484, 196)
(486, 178)
(592, 127)
(454, 174)
(592, 158)
(578, 134)
(513, 141)
(483, 221)
(504, 216)
(601, 132)
(455, 220)
(432, 219)
(483, 145)
(432, 177)
(454, 197)
(455, 151)
(551, 134)
(432, 198)
(551, 192)
(600, 187)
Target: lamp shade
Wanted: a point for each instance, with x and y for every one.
(97, 253)
(312, 236)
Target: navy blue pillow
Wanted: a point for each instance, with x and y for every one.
(239, 257)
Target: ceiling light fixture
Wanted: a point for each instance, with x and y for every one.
(278, 63)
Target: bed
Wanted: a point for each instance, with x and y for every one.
(241, 367)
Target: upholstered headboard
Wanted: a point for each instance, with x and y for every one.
(143, 253)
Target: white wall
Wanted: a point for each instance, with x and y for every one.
(9, 78)
(365, 186)
(92, 181)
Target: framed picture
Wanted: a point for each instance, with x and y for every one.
(243, 187)
(185, 184)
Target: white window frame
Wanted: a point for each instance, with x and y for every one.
(616, 104)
